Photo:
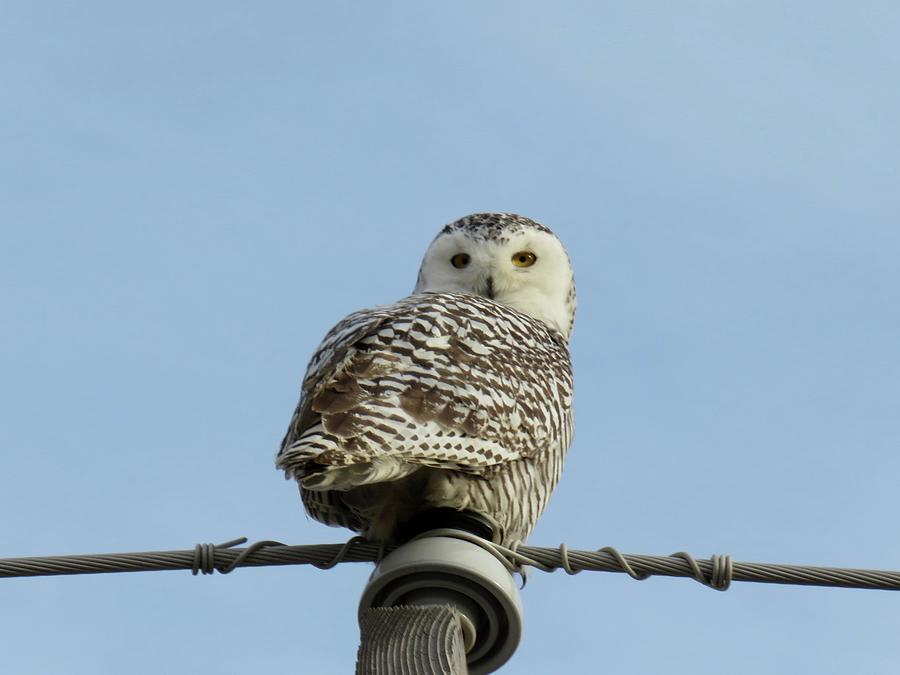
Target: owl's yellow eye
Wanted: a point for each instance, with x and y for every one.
(524, 259)
(460, 260)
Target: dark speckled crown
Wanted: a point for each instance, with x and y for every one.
(494, 226)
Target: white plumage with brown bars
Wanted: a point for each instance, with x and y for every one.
(458, 396)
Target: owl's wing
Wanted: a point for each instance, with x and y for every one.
(443, 380)
(337, 348)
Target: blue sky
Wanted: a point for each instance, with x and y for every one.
(192, 194)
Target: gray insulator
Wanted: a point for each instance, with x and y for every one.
(443, 570)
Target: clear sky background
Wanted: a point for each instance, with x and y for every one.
(191, 194)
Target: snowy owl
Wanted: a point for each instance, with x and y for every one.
(454, 401)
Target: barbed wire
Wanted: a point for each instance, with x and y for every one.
(717, 572)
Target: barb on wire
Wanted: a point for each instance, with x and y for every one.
(717, 572)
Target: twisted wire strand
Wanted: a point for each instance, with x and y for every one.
(717, 572)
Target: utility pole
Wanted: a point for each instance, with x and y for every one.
(424, 640)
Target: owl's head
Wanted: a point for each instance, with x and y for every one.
(505, 257)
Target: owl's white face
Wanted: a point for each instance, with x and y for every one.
(527, 270)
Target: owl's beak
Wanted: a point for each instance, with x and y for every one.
(489, 288)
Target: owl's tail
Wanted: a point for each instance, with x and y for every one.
(318, 463)
(378, 470)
